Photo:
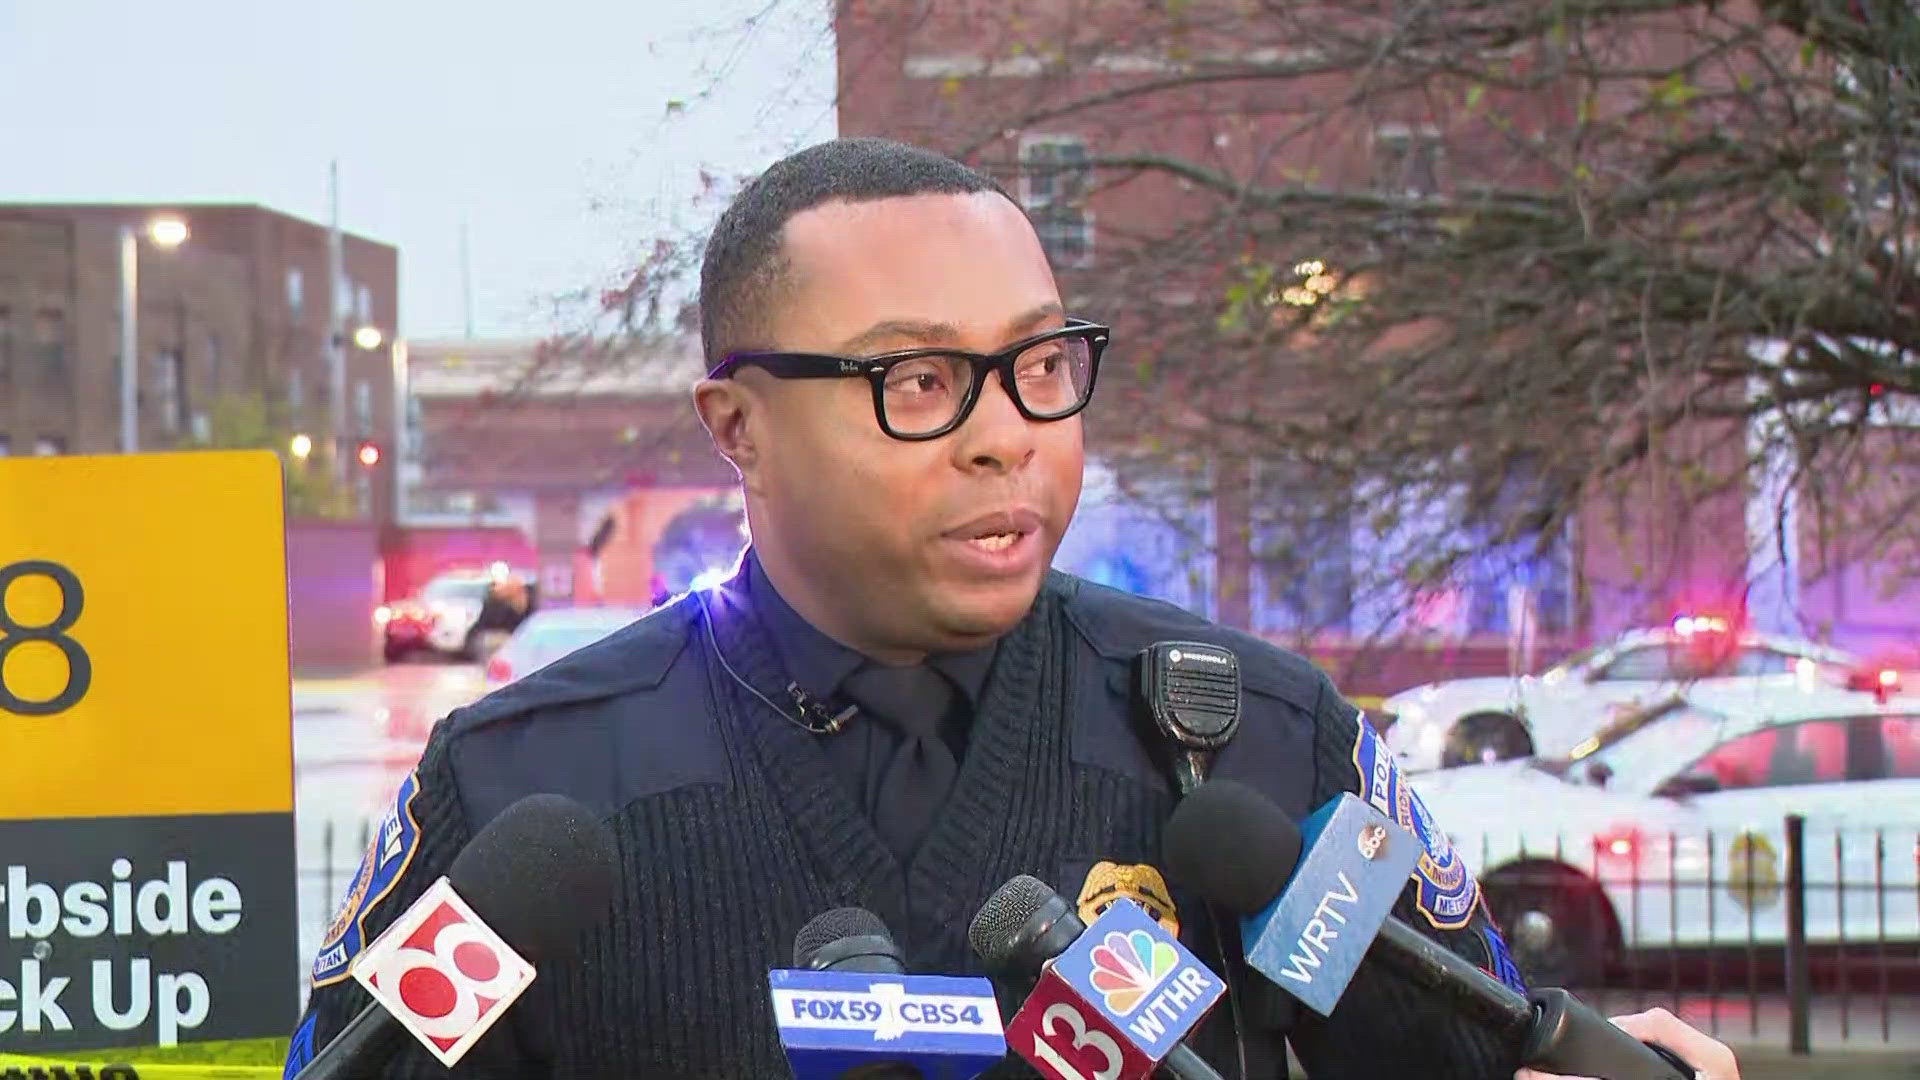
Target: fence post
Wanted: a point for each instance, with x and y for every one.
(1798, 1034)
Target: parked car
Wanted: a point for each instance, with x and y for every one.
(454, 613)
(1474, 721)
(550, 634)
(1668, 829)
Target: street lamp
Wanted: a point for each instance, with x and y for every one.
(166, 233)
(301, 446)
(368, 337)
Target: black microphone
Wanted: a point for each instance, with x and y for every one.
(1020, 933)
(542, 848)
(1312, 918)
(847, 939)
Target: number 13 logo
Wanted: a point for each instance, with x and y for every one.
(1069, 1017)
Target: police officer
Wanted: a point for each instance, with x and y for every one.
(894, 703)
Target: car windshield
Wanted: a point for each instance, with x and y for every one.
(1621, 726)
(455, 589)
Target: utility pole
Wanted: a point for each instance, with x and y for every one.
(337, 334)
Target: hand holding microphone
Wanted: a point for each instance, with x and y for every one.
(1662, 1027)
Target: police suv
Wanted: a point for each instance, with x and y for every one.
(1667, 829)
(1474, 721)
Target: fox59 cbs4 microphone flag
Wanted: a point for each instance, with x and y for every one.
(1116, 1002)
(146, 814)
(834, 1022)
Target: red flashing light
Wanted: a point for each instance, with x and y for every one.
(498, 670)
(369, 454)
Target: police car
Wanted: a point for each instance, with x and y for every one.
(1472, 721)
(1667, 829)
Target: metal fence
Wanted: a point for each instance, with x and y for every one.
(1780, 935)
(1815, 945)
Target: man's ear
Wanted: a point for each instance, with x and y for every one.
(730, 410)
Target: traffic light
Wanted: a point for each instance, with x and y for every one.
(369, 453)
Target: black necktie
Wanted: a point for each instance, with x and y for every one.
(914, 702)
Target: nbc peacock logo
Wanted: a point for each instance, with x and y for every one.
(1127, 966)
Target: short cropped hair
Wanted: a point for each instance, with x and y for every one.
(744, 268)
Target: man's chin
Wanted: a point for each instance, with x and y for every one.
(978, 614)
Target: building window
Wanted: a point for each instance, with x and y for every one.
(296, 292)
(1406, 160)
(363, 304)
(49, 446)
(1053, 189)
(296, 391)
(50, 337)
(363, 407)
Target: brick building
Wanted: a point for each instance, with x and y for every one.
(240, 309)
(567, 450)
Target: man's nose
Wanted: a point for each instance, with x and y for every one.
(995, 437)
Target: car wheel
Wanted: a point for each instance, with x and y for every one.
(1486, 737)
(1556, 922)
(395, 653)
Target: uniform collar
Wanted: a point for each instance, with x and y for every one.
(820, 664)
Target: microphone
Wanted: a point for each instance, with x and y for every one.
(1309, 920)
(1109, 1001)
(496, 899)
(849, 1009)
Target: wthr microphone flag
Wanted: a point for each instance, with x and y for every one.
(833, 1022)
(1116, 1002)
(1311, 939)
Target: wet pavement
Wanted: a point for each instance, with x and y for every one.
(354, 741)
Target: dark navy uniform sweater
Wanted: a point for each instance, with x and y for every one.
(734, 832)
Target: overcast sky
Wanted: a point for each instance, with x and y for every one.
(544, 126)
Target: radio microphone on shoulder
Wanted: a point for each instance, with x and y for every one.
(1189, 693)
(494, 910)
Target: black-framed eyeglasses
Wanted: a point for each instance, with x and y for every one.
(925, 393)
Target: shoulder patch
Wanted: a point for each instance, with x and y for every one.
(1447, 892)
(388, 854)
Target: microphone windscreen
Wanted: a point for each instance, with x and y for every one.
(538, 874)
(836, 925)
(995, 931)
(1230, 844)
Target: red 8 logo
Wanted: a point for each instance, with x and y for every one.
(400, 973)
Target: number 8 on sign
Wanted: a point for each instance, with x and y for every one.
(443, 973)
(14, 633)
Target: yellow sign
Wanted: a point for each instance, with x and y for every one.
(143, 636)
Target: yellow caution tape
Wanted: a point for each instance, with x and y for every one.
(108, 1067)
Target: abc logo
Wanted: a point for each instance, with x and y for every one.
(1373, 838)
(448, 978)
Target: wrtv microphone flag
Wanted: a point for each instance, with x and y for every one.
(1116, 1002)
